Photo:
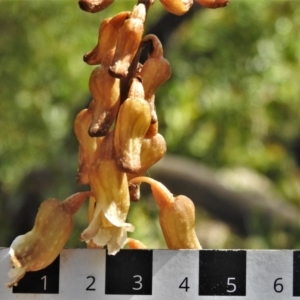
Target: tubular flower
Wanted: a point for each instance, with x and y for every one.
(105, 90)
(213, 3)
(110, 189)
(39, 247)
(87, 145)
(177, 7)
(107, 38)
(176, 216)
(131, 127)
(152, 151)
(155, 71)
(128, 41)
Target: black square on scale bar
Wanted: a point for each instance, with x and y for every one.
(222, 273)
(129, 272)
(296, 273)
(45, 281)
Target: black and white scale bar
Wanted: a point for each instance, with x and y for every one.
(161, 275)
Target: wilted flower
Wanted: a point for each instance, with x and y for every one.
(176, 216)
(39, 247)
(110, 189)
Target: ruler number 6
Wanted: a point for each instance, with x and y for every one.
(231, 284)
(138, 282)
(278, 287)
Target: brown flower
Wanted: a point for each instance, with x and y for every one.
(176, 216)
(39, 247)
(131, 127)
(128, 41)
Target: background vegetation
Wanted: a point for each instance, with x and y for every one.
(232, 103)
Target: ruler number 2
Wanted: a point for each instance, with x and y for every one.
(89, 288)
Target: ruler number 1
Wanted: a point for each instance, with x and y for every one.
(184, 284)
(45, 282)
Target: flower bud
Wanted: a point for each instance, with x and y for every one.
(176, 216)
(156, 70)
(87, 145)
(105, 90)
(128, 41)
(213, 3)
(39, 247)
(135, 244)
(131, 127)
(107, 38)
(94, 6)
(177, 7)
(151, 152)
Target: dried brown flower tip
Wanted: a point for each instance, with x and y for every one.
(128, 41)
(105, 90)
(131, 127)
(213, 3)
(177, 7)
(94, 6)
(134, 192)
(153, 128)
(107, 38)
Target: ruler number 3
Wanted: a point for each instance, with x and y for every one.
(138, 282)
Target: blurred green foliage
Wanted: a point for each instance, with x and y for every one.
(234, 95)
(233, 98)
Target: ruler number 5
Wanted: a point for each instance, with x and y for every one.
(278, 287)
(231, 284)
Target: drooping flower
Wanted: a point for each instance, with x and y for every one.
(176, 216)
(110, 189)
(39, 247)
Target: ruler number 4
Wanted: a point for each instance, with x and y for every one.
(184, 284)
